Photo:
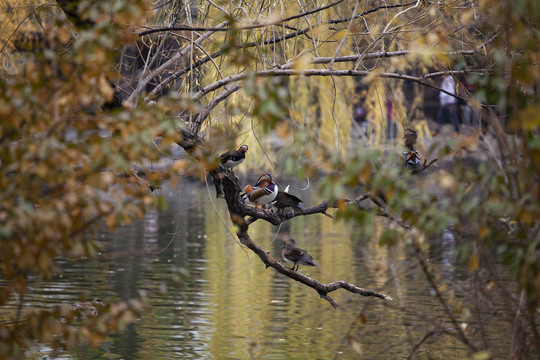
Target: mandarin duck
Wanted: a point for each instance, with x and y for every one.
(295, 255)
(411, 156)
(88, 309)
(233, 158)
(264, 191)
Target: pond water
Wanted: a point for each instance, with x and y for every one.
(231, 307)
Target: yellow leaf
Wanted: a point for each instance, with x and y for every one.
(473, 262)
(482, 355)
(111, 221)
(482, 232)
(357, 346)
(448, 182)
(362, 318)
(42, 169)
(302, 62)
(432, 38)
(467, 16)
(365, 173)
(180, 165)
(105, 88)
(282, 129)
(64, 35)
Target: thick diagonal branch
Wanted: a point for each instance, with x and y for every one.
(239, 211)
(275, 218)
(322, 289)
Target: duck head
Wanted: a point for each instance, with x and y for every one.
(410, 137)
(289, 241)
(243, 148)
(264, 180)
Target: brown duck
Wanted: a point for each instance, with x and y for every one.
(295, 255)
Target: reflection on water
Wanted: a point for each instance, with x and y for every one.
(232, 307)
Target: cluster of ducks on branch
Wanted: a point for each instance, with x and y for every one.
(265, 191)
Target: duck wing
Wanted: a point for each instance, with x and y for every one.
(227, 155)
(284, 200)
(232, 155)
(258, 193)
(307, 259)
(298, 256)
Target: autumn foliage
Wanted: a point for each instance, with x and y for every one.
(74, 121)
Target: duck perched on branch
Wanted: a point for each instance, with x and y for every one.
(295, 255)
(411, 156)
(233, 158)
(264, 191)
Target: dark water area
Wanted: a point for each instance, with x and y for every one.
(231, 307)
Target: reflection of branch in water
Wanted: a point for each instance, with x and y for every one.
(429, 334)
(176, 231)
(449, 312)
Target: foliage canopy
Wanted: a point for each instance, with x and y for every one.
(88, 87)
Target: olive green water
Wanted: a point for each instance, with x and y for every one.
(231, 307)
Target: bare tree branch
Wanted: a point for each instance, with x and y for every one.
(425, 165)
(276, 22)
(322, 289)
(275, 40)
(383, 212)
(212, 104)
(275, 219)
(320, 60)
(168, 64)
(239, 211)
(429, 334)
(325, 72)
